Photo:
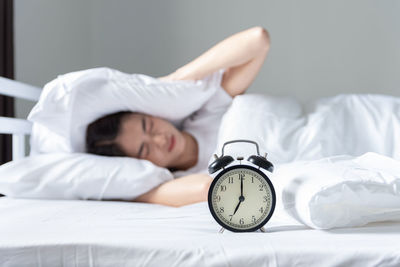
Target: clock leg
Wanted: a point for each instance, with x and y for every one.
(262, 229)
(221, 230)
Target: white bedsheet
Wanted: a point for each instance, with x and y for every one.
(94, 233)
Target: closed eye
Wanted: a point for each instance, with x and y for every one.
(145, 126)
(150, 131)
(139, 154)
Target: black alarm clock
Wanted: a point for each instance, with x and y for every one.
(241, 197)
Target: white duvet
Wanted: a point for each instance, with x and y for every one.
(103, 233)
(336, 162)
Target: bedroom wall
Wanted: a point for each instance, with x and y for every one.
(50, 37)
(319, 48)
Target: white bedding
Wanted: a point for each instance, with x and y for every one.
(347, 124)
(337, 164)
(94, 233)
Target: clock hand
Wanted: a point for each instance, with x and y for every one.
(241, 198)
(237, 207)
(241, 186)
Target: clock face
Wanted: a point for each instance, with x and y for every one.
(241, 198)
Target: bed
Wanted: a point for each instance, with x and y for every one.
(45, 232)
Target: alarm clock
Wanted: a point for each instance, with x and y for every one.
(241, 198)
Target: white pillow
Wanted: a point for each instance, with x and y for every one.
(268, 120)
(341, 191)
(79, 176)
(353, 124)
(72, 101)
(60, 118)
(345, 124)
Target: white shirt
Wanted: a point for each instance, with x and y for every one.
(204, 125)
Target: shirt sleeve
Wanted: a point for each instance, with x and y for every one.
(204, 123)
(216, 105)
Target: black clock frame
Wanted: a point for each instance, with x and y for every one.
(273, 198)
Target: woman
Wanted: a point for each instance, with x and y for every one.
(147, 137)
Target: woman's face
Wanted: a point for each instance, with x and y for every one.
(146, 137)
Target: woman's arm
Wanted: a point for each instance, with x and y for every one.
(180, 191)
(241, 54)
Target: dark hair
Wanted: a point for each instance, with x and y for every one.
(101, 135)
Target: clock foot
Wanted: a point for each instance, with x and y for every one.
(221, 230)
(262, 229)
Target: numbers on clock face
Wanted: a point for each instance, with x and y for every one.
(242, 206)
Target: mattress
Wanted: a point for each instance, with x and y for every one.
(113, 233)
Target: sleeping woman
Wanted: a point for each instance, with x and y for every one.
(233, 63)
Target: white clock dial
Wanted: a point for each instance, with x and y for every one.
(242, 198)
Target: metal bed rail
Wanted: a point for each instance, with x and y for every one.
(18, 128)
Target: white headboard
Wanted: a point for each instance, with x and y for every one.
(17, 127)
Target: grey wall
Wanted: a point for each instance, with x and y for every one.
(318, 48)
(51, 38)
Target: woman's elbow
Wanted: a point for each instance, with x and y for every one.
(205, 188)
(262, 36)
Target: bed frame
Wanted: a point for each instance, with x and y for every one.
(18, 128)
